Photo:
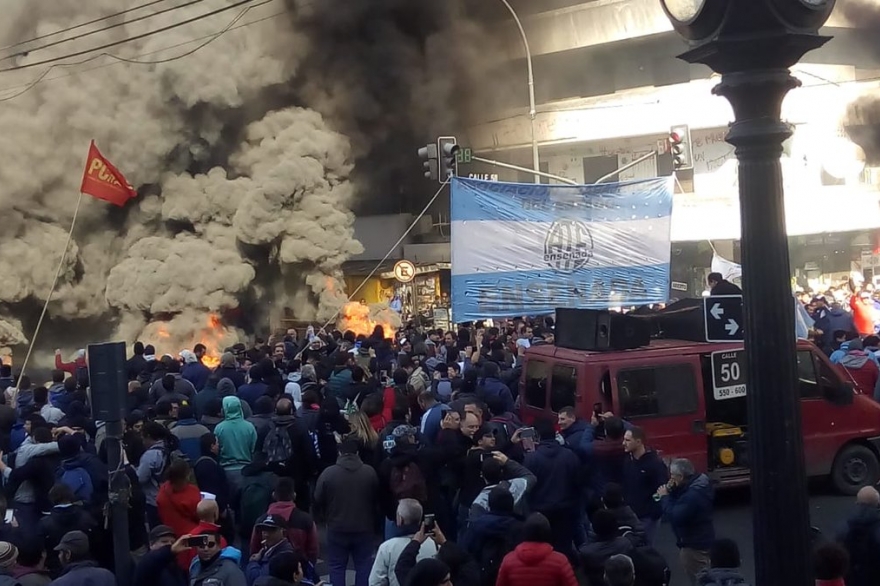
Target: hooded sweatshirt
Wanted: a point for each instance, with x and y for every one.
(237, 437)
(224, 569)
(177, 509)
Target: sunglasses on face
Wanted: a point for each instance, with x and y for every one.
(208, 545)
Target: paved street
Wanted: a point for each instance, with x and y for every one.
(733, 518)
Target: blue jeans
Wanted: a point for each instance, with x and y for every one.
(343, 544)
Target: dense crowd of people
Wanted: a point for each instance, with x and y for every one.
(411, 444)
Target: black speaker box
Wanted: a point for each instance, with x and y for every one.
(588, 329)
(108, 383)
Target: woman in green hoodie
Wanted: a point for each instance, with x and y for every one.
(237, 438)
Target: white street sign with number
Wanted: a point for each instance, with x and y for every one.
(728, 374)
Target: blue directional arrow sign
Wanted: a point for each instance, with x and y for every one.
(723, 315)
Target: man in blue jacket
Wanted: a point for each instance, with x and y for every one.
(274, 541)
(687, 507)
(491, 385)
(557, 491)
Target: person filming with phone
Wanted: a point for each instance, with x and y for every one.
(159, 565)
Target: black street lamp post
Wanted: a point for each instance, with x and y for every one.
(752, 44)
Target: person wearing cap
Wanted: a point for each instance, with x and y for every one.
(272, 530)
(347, 493)
(301, 529)
(8, 558)
(216, 563)
(159, 566)
(78, 568)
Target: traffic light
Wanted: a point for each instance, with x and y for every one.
(429, 155)
(680, 147)
(447, 147)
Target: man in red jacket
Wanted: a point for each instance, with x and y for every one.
(301, 530)
(863, 312)
(534, 561)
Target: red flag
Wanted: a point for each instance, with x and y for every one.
(104, 181)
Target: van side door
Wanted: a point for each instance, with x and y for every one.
(665, 398)
(826, 426)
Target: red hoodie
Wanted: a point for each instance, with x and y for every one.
(863, 315)
(69, 366)
(535, 563)
(178, 509)
(301, 530)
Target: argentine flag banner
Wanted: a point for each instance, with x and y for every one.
(526, 249)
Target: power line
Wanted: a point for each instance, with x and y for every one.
(128, 40)
(83, 24)
(24, 52)
(210, 38)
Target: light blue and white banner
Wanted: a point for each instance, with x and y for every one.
(526, 249)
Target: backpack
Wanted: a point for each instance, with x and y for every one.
(254, 500)
(408, 482)
(81, 374)
(278, 446)
(490, 558)
(78, 481)
(650, 566)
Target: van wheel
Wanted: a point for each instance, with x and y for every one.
(855, 466)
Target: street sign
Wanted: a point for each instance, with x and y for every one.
(464, 155)
(728, 374)
(404, 271)
(723, 315)
(484, 176)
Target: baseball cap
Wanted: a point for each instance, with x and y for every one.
(403, 431)
(271, 521)
(160, 531)
(76, 542)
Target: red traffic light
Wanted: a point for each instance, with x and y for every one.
(674, 138)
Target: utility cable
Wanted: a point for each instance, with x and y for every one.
(83, 24)
(123, 41)
(24, 52)
(133, 60)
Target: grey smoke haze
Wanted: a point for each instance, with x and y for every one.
(862, 118)
(249, 156)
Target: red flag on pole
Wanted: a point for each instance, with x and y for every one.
(104, 181)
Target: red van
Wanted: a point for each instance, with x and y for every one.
(690, 399)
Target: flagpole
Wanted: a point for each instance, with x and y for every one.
(46, 305)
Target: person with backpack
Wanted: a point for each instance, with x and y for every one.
(178, 499)
(261, 419)
(189, 433)
(493, 535)
(238, 441)
(301, 529)
(255, 494)
(860, 535)
(408, 519)
(83, 472)
(152, 466)
(210, 476)
(290, 450)
(346, 494)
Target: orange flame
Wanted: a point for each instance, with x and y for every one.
(212, 336)
(356, 317)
